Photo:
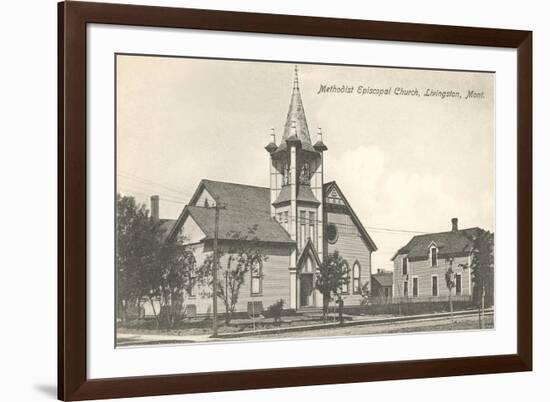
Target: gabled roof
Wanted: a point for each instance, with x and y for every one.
(449, 244)
(244, 207)
(166, 226)
(304, 194)
(309, 250)
(383, 279)
(327, 187)
(296, 115)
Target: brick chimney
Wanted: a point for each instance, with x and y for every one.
(454, 223)
(155, 207)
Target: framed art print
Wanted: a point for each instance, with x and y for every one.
(253, 200)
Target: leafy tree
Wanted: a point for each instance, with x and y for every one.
(137, 242)
(244, 256)
(147, 269)
(483, 269)
(331, 276)
(169, 281)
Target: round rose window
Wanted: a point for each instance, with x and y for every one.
(332, 233)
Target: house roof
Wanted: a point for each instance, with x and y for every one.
(296, 115)
(304, 194)
(244, 208)
(166, 226)
(451, 243)
(385, 279)
(327, 187)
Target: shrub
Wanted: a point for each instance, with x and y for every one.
(276, 310)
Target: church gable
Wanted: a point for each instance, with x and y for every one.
(333, 197)
(190, 232)
(340, 211)
(203, 199)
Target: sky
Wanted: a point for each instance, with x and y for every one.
(407, 163)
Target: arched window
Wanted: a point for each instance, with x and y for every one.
(286, 174)
(256, 277)
(304, 174)
(345, 284)
(356, 278)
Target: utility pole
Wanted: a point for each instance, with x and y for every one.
(215, 270)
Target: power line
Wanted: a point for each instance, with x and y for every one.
(291, 219)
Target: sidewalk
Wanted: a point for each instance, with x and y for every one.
(363, 321)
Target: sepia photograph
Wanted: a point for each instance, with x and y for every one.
(270, 200)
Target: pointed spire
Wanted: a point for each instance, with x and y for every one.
(296, 123)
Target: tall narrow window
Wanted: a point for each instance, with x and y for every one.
(435, 286)
(286, 174)
(256, 277)
(312, 226)
(285, 219)
(356, 278)
(345, 284)
(458, 284)
(433, 256)
(192, 284)
(302, 229)
(406, 288)
(415, 287)
(405, 263)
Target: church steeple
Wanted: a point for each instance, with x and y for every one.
(296, 186)
(296, 117)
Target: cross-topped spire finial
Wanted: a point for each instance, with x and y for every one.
(296, 84)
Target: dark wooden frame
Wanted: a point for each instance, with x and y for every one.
(73, 383)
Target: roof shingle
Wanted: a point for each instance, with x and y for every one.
(448, 244)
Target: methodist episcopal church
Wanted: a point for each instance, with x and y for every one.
(299, 219)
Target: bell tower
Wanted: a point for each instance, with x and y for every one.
(296, 181)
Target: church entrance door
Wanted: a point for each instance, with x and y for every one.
(306, 290)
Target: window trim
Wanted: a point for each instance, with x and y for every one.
(347, 276)
(259, 277)
(353, 278)
(405, 265)
(432, 285)
(458, 275)
(405, 288)
(430, 256)
(417, 286)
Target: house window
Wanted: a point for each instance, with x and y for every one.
(192, 284)
(386, 292)
(433, 256)
(458, 284)
(256, 275)
(285, 220)
(345, 284)
(356, 278)
(280, 217)
(435, 285)
(415, 287)
(405, 263)
(406, 288)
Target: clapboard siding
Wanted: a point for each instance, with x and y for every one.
(275, 282)
(424, 271)
(352, 247)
